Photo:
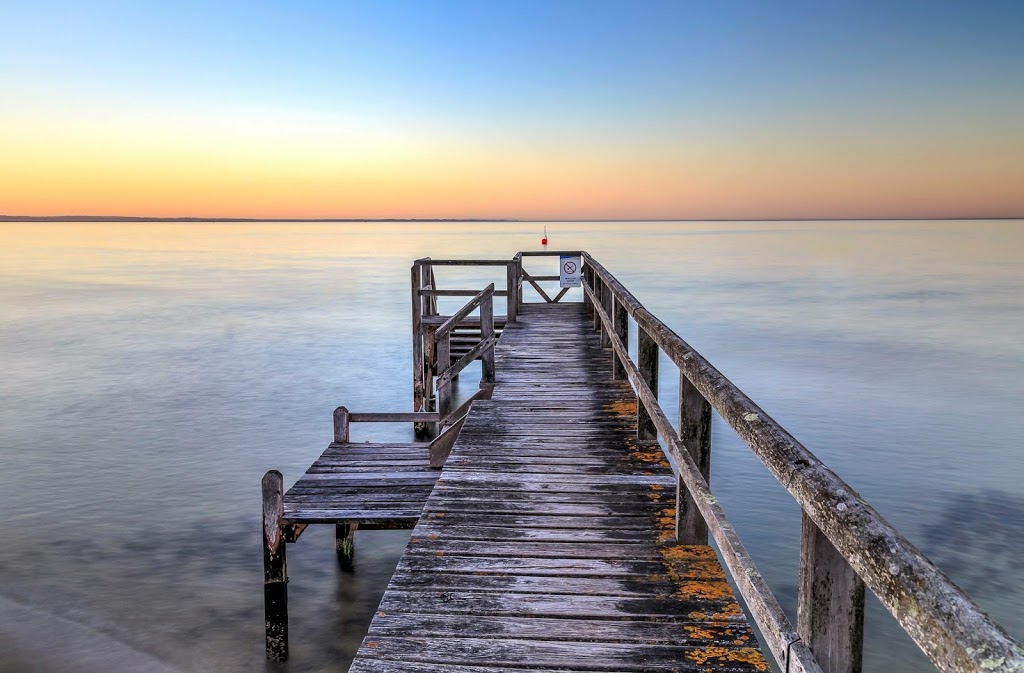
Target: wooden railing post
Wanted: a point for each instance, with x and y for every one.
(444, 361)
(588, 280)
(830, 608)
(647, 363)
(486, 332)
(599, 290)
(607, 303)
(418, 366)
(512, 288)
(620, 320)
(429, 357)
(341, 425)
(275, 573)
(695, 434)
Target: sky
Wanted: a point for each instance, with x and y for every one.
(527, 110)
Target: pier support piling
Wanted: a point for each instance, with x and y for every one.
(275, 574)
(345, 544)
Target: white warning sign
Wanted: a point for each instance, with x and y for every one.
(570, 271)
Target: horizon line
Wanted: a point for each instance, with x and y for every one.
(142, 218)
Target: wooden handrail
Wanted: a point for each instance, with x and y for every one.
(484, 349)
(463, 312)
(779, 634)
(946, 624)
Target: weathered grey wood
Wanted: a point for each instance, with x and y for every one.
(830, 609)
(781, 638)
(695, 435)
(341, 425)
(467, 322)
(548, 509)
(620, 325)
(486, 345)
(527, 277)
(275, 574)
(603, 630)
(430, 307)
(419, 397)
(443, 344)
(459, 293)
(487, 336)
(608, 300)
(551, 253)
(946, 624)
(647, 363)
(468, 262)
(588, 280)
(463, 312)
(345, 544)
(512, 275)
(392, 417)
(441, 446)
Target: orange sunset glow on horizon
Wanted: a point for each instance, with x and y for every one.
(405, 121)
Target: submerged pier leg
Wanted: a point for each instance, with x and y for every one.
(275, 574)
(345, 542)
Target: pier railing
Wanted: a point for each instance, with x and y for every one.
(845, 544)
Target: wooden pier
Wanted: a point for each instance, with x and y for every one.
(568, 529)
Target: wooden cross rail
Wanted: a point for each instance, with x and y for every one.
(447, 370)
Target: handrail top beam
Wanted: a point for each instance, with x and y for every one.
(470, 306)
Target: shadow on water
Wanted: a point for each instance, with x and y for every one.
(980, 525)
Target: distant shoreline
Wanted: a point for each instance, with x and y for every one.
(123, 218)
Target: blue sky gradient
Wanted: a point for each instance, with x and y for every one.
(592, 82)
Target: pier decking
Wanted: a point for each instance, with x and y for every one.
(549, 540)
(568, 530)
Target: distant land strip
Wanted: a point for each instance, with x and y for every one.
(124, 218)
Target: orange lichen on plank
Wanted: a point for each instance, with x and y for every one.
(699, 632)
(621, 408)
(709, 589)
(729, 655)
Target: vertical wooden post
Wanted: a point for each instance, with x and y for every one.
(341, 425)
(830, 608)
(429, 358)
(429, 366)
(598, 299)
(647, 363)
(607, 303)
(486, 332)
(512, 288)
(620, 320)
(418, 388)
(345, 544)
(444, 362)
(695, 434)
(588, 280)
(275, 573)
(429, 279)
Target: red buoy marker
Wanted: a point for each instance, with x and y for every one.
(544, 241)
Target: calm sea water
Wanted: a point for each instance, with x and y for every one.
(151, 373)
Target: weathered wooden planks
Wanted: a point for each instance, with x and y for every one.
(364, 484)
(548, 541)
